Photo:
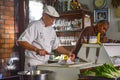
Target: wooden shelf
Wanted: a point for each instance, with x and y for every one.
(69, 30)
(73, 32)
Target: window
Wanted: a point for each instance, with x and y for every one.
(35, 10)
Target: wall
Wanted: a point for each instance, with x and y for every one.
(6, 28)
(113, 32)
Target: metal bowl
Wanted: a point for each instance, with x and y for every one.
(37, 75)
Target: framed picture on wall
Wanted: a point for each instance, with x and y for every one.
(101, 14)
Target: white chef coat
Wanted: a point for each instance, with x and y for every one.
(41, 37)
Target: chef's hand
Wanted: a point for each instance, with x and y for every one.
(42, 52)
(72, 56)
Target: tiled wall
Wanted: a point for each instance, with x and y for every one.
(6, 28)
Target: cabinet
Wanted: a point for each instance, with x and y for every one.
(73, 18)
(69, 25)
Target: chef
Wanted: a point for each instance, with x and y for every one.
(39, 39)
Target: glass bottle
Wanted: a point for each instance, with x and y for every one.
(68, 6)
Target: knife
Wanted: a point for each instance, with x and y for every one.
(87, 51)
(97, 54)
(87, 48)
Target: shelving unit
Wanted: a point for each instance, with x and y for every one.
(71, 21)
(69, 25)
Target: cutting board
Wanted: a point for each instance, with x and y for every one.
(78, 64)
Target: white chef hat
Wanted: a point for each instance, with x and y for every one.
(50, 11)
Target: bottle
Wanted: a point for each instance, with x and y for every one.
(64, 6)
(68, 6)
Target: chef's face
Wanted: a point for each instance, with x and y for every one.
(102, 28)
(48, 20)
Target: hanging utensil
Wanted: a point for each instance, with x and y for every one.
(87, 51)
(97, 54)
(115, 3)
(87, 48)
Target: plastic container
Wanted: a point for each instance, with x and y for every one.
(91, 39)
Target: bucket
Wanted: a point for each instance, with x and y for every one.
(37, 75)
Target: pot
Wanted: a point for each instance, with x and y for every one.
(37, 75)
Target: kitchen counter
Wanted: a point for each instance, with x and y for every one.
(65, 72)
(94, 58)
